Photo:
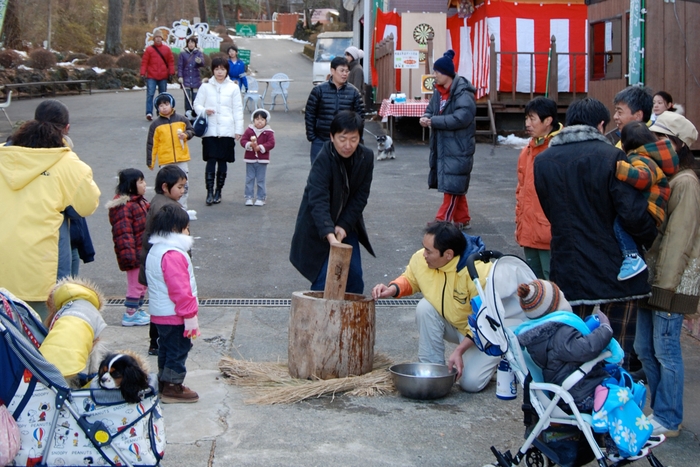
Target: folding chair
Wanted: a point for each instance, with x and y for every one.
(251, 95)
(279, 89)
(5, 105)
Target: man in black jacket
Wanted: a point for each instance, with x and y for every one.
(326, 100)
(331, 209)
(580, 195)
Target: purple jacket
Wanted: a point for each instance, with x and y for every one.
(188, 65)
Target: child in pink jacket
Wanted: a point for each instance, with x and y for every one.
(258, 140)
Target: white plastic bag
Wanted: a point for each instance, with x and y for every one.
(9, 436)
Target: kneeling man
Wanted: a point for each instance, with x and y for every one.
(439, 272)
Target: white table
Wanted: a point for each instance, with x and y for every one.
(267, 82)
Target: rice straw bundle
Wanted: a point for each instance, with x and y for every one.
(273, 385)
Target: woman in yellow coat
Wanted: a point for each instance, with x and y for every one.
(39, 178)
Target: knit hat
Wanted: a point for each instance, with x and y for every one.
(445, 65)
(267, 114)
(674, 124)
(541, 297)
(355, 53)
(158, 33)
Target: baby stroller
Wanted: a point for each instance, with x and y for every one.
(60, 426)
(550, 431)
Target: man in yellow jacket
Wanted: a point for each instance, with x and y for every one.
(439, 272)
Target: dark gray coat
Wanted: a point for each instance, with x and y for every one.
(324, 103)
(559, 349)
(332, 197)
(452, 142)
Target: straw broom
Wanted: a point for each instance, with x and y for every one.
(273, 385)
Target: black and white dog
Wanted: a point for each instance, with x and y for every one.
(125, 372)
(385, 147)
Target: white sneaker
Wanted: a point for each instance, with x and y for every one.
(260, 202)
(249, 202)
(192, 214)
(659, 429)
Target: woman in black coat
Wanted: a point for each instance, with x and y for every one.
(331, 209)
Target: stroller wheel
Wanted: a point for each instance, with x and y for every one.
(535, 458)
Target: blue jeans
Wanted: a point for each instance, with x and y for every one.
(316, 146)
(173, 348)
(658, 346)
(355, 282)
(624, 240)
(255, 172)
(151, 90)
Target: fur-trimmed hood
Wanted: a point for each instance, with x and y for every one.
(74, 288)
(119, 200)
(577, 134)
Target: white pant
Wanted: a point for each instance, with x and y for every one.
(433, 331)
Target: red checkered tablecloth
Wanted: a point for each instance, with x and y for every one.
(411, 108)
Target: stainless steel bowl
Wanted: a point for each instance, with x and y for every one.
(423, 380)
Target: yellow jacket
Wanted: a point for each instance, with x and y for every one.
(164, 145)
(448, 290)
(36, 186)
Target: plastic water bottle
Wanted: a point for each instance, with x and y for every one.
(506, 384)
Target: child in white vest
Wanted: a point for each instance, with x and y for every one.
(173, 300)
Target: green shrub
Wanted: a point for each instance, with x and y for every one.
(108, 80)
(101, 61)
(129, 61)
(41, 59)
(9, 58)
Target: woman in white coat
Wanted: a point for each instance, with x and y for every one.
(220, 98)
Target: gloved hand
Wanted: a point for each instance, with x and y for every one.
(143, 77)
(602, 318)
(191, 328)
(180, 80)
(171, 78)
(198, 60)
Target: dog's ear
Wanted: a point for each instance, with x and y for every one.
(134, 380)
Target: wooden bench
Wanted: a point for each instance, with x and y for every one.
(49, 85)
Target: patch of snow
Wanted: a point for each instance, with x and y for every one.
(273, 36)
(512, 140)
(24, 67)
(22, 53)
(98, 70)
(173, 86)
(64, 64)
(299, 41)
(138, 88)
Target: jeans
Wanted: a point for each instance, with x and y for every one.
(658, 345)
(434, 330)
(75, 263)
(173, 348)
(538, 260)
(151, 90)
(316, 146)
(624, 240)
(255, 172)
(355, 282)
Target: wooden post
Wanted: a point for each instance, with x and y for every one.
(337, 274)
(493, 72)
(554, 72)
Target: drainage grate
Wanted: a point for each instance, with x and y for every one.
(268, 302)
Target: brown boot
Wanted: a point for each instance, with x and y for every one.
(177, 393)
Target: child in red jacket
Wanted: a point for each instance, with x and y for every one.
(127, 215)
(258, 140)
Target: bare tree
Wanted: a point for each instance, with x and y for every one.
(222, 17)
(113, 40)
(202, 11)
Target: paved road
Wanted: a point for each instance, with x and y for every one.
(242, 252)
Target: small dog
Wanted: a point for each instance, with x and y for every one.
(125, 372)
(385, 147)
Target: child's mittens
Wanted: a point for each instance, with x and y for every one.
(604, 320)
(191, 328)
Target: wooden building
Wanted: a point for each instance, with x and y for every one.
(671, 45)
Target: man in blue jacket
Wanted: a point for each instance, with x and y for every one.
(580, 195)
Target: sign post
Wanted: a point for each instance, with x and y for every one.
(407, 59)
(635, 43)
(246, 30)
(244, 55)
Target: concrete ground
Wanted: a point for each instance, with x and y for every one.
(241, 253)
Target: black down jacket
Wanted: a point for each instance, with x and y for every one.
(324, 103)
(452, 142)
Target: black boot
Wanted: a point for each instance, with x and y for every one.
(220, 179)
(209, 178)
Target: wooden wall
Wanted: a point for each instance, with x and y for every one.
(667, 47)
